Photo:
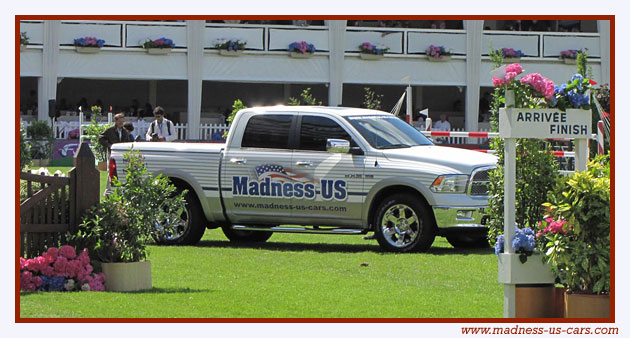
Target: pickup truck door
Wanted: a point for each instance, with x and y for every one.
(253, 172)
(338, 177)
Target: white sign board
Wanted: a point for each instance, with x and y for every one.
(544, 123)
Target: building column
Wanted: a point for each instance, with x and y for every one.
(604, 49)
(47, 84)
(474, 32)
(194, 35)
(336, 45)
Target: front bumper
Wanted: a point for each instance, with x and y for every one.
(452, 218)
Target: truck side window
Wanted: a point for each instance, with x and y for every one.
(267, 131)
(316, 130)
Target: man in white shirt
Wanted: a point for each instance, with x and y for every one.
(442, 124)
(161, 129)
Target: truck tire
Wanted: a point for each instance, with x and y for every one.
(468, 241)
(192, 226)
(403, 223)
(245, 235)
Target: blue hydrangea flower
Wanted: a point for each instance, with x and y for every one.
(498, 246)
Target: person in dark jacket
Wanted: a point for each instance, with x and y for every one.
(115, 134)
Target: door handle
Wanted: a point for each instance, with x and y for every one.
(303, 163)
(238, 160)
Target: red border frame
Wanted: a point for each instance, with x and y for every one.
(18, 319)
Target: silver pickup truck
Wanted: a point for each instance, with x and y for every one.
(326, 170)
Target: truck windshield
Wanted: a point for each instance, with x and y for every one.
(387, 132)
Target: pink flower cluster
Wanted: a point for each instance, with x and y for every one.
(551, 226)
(540, 84)
(91, 41)
(511, 72)
(367, 46)
(63, 262)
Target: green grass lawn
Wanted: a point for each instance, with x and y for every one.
(291, 276)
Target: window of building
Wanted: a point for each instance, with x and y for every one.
(267, 131)
(316, 130)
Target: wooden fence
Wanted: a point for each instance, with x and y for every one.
(54, 205)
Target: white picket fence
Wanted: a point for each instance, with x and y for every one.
(208, 132)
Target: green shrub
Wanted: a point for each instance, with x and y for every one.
(93, 130)
(580, 253)
(305, 99)
(25, 150)
(41, 139)
(141, 208)
(371, 100)
(238, 105)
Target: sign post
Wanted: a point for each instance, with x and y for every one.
(544, 123)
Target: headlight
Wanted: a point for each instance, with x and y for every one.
(450, 184)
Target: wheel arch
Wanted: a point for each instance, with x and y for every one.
(184, 181)
(378, 194)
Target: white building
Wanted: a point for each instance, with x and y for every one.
(194, 83)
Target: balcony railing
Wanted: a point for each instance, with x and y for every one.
(271, 39)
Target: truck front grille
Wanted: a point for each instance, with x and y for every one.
(480, 182)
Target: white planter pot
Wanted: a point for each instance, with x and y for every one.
(88, 50)
(158, 51)
(300, 55)
(366, 56)
(569, 61)
(134, 276)
(22, 48)
(443, 59)
(533, 271)
(226, 52)
(511, 60)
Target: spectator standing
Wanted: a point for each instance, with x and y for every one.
(442, 124)
(115, 134)
(130, 128)
(161, 129)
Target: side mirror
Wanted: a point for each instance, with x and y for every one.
(334, 145)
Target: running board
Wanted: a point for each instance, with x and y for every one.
(301, 230)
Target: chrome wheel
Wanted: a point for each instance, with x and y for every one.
(400, 225)
(174, 232)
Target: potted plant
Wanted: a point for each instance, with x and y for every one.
(532, 277)
(569, 57)
(161, 46)
(575, 239)
(511, 55)
(116, 231)
(438, 53)
(301, 49)
(369, 51)
(88, 44)
(230, 47)
(23, 41)
(41, 143)
(92, 132)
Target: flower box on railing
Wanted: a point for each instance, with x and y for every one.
(441, 59)
(301, 49)
(88, 44)
(230, 47)
(226, 52)
(161, 46)
(372, 52)
(438, 53)
(533, 271)
(22, 48)
(88, 50)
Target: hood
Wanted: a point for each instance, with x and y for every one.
(462, 160)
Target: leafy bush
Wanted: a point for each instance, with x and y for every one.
(93, 130)
(238, 105)
(305, 99)
(25, 150)
(536, 170)
(575, 236)
(144, 206)
(41, 139)
(371, 100)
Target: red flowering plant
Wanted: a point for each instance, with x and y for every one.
(60, 269)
